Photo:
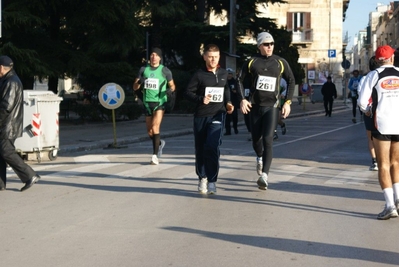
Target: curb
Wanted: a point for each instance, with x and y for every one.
(109, 143)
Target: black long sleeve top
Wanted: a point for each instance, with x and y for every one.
(262, 75)
(196, 88)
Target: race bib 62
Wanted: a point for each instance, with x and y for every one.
(216, 92)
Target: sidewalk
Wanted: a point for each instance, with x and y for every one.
(89, 136)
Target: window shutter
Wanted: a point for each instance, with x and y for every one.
(289, 21)
(308, 24)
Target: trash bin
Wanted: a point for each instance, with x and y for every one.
(40, 125)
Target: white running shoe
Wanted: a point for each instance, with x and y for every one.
(387, 213)
(154, 160)
(203, 185)
(259, 165)
(211, 188)
(160, 148)
(262, 181)
(374, 167)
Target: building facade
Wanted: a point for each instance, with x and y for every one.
(382, 29)
(317, 27)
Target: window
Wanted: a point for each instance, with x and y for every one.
(298, 21)
(299, 24)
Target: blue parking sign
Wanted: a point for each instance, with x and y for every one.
(332, 53)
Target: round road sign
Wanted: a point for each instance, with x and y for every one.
(111, 96)
(305, 88)
(346, 64)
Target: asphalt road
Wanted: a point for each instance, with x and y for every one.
(110, 207)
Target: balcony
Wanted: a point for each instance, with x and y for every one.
(302, 37)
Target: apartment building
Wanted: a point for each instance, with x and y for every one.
(382, 29)
(317, 27)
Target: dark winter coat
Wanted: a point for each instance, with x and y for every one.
(329, 91)
(11, 106)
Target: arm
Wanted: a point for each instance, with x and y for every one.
(323, 89)
(169, 78)
(365, 91)
(191, 90)
(350, 84)
(243, 82)
(227, 99)
(364, 100)
(290, 79)
(8, 95)
(139, 80)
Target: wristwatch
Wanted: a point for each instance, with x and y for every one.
(288, 102)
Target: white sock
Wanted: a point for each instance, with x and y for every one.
(388, 194)
(396, 190)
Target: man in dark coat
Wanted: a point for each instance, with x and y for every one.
(329, 93)
(11, 120)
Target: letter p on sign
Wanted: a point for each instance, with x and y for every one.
(332, 53)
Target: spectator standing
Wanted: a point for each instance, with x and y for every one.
(263, 73)
(233, 117)
(329, 93)
(209, 90)
(154, 79)
(379, 98)
(11, 123)
(353, 86)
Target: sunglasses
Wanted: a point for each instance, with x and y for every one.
(268, 44)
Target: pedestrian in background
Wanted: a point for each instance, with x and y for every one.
(329, 93)
(379, 98)
(283, 93)
(353, 86)
(11, 123)
(263, 72)
(368, 119)
(154, 79)
(247, 119)
(209, 90)
(233, 117)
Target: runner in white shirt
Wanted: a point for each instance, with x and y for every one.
(379, 98)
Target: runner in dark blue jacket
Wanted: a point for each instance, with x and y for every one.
(209, 90)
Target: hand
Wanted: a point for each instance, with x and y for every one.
(245, 106)
(229, 108)
(285, 110)
(207, 99)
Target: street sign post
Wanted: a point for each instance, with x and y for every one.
(111, 96)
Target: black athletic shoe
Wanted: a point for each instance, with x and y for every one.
(275, 137)
(283, 129)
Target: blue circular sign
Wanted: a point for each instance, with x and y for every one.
(111, 96)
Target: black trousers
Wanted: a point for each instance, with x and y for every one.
(10, 156)
(263, 123)
(354, 107)
(231, 117)
(328, 105)
(208, 132)
(247, 121)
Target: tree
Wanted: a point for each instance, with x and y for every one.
(59, 38)
(104, 40)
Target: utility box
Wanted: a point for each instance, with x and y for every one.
(40, 125)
